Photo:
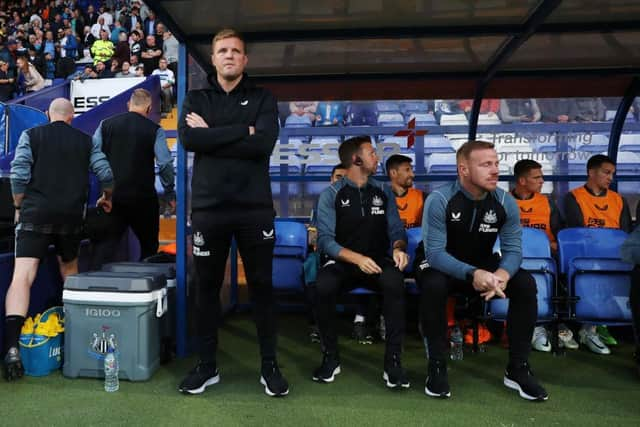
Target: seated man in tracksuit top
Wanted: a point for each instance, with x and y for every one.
(596, 205)
(461, 223)
(358, 227)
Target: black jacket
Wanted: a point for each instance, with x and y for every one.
(231, 168)
(57, 191)
(128, 141)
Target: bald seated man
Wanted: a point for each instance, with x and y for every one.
(49, 183)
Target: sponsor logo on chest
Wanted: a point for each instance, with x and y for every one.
(377, 206)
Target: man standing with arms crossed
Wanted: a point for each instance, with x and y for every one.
(232, 128)
(50, 183)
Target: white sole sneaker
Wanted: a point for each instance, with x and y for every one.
(515, 386)
(335, 372)
(385, 377)
(438, 395)
(207, 383)
(268, 391)
(545, 348)
(568, 344)
(594, 344)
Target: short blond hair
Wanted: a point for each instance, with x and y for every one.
(140, 98)
(465, 150)
(228, 33)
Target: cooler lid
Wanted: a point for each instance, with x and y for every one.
(168, 269)
(106, 281)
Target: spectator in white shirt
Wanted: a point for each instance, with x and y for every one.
(167, 80)
(95, 28)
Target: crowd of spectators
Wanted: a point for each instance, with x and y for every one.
(82, 39)
(450, 112)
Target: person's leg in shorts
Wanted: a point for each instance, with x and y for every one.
(31, 248)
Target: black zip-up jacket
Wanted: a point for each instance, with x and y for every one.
(231, 167)
(364, 220)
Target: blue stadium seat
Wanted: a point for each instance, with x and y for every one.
(289, 254)
(442, 164)
(628, 164)
(489, 119)
(630, 142)
(414, 236)
(421, 111)
(597, 143)
(598, 279)
(422, 119)
(315, 188)
(437, 144)
(537, 260)
(389, 114)
(362, 114)
(295, 121)
(289, 152)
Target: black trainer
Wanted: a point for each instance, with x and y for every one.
(13, 368)
(636, 358)
(330, 367)
(271, 378)
(361, 333)
(394, 375)
(519, 377)
(437, 384)
(199, 378)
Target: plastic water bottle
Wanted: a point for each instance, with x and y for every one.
(456, 344)
(111, 382)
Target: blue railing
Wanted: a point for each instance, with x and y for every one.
(42, 98)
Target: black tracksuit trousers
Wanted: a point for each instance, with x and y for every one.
(255, 235)
(338, 275)
(521, 317)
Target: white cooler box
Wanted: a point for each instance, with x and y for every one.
(121, 310)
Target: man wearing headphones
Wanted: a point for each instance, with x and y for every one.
(358, 224)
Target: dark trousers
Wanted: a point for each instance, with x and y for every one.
(521, 317)
(143, 218)
(634, 301)
(336, 276)
(255, 235)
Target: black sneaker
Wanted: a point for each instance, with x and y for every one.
(327, 372)
(437, 384)
(271, 378)
(200, 377)
(636, 358)
(13, 368)
(361, 333)
(314, 334)
(520, 378)
(394, 375)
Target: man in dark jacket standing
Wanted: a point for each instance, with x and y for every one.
(49, 182)
(232, 129)
(131, 142)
